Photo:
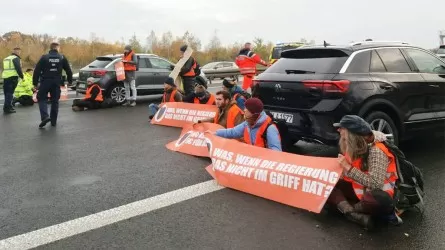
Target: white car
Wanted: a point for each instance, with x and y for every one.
(441, 52)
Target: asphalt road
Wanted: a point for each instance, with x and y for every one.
(99, 160)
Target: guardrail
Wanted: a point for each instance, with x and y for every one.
(234, 72)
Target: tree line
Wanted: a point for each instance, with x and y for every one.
(81, 52)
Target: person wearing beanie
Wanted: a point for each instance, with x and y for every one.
(189, 72)
(258, 128)
(130, 66)
(93, 97)
(200, 95)
(235, 91)
(171, 94)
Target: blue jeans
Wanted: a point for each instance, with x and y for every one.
(9, 85)
(152, 109)
(53, 88)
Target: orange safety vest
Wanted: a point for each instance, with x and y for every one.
(192, 70)
(99, 97)
(129, 66)
(232, 113)
(391, 174)
(211, 100)
(172, 96)
(259, 140)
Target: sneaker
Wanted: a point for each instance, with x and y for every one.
(44, 122)
(133, 104)
(126, 104)
(150, 117)
(9, 111)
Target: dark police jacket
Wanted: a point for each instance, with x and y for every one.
(49, 68)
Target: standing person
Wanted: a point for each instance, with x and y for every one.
(49, 70)
(188, 72)
(130, 66)
(171, 94)
(247, 61)
(12, 71)
(229, 115)
(366, 191)
(24, 90)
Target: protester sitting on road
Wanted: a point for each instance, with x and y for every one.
(258, 128)
(229, 114)
(200, 95)
(171, 94)
(235, 91)
(369, 174)
(93, 97)
(24, 90)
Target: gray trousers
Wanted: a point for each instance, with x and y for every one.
(130, 83)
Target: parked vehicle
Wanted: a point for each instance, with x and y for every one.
(221, 70)
(441, 52)
(275, 52)
(152, 71)
(399, 89)
(74, 83)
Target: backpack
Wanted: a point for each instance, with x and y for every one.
(244, 94)
(283, 129)
(409, 189)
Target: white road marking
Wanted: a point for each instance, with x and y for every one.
(84, 224)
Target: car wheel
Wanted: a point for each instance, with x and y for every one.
(117, 93)
(380, 121)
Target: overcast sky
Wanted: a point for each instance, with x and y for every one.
(336, 21)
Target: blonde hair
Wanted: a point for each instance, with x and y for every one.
(354, 145)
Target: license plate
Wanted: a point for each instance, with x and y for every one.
(81, 86)
(289, 118)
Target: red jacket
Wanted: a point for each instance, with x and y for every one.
(247, 61)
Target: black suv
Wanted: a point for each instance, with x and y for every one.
(399, 89)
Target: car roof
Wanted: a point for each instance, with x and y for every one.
(120, 55)
(359, 46)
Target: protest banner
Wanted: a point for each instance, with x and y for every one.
(177, 114)
(296, 180)
(120, 72)
(192, 140)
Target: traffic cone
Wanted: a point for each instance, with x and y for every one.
(63, 93)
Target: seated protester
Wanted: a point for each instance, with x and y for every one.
(93, 97)
(366, 191)
(229, 114)
(200, 95)
(24, 90)
(257, 129)
(171, 94)
(235, 91)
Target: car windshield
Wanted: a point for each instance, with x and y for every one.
(100, 62)
(210, 65)
(311, 61)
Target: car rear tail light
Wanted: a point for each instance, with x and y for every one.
(340, 86)
(99, 73)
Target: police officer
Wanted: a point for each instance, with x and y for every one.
(12, 71)
(49, 70)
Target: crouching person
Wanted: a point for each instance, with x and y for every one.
(93, 97)
(24, 90)
(229, 114)
(171, 94)
(257, 130)
(365, 193)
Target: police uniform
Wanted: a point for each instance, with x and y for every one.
(49, 70)
(12, 71)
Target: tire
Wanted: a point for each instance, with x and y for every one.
(117, 93)
(380, 121)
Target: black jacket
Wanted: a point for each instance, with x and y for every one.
(187, 66)
(17, 65)
(50, 68)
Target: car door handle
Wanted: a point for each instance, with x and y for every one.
(386, 87)
(434, 85)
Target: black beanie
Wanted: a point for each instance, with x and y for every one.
(170, 81)
(228, 84)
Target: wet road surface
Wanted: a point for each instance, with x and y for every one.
(99, 160)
